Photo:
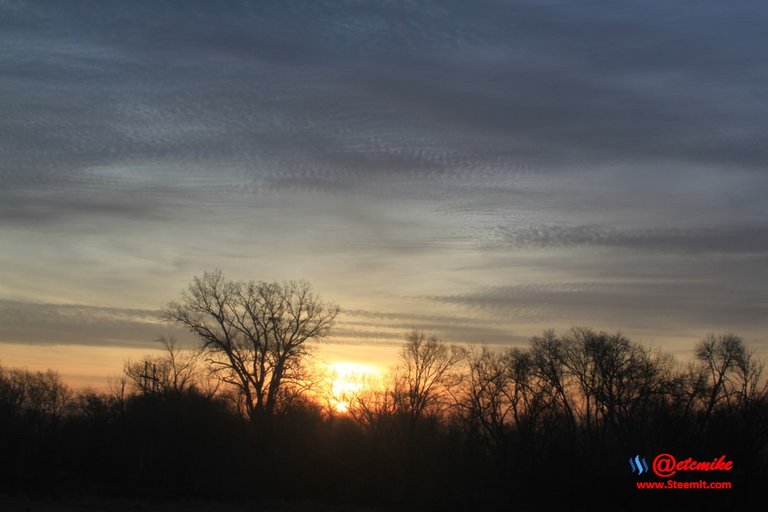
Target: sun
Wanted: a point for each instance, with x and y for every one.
(347, 380)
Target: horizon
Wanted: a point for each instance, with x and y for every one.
(98, 368)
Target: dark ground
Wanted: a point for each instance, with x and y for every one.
(16, 504)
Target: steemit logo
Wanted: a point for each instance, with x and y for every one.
(638, 464)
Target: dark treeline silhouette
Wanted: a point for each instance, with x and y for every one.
(548, 426)
(552, 425)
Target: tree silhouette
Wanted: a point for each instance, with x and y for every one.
(177, 370)
(617, 381)
(720, 357)
(424, 376)
(255, 333)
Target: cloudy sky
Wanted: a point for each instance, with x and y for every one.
(482, 170)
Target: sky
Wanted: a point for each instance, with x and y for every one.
(480, 170)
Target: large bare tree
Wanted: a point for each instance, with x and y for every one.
(255, 333)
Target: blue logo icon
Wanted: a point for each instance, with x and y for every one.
(638, 464)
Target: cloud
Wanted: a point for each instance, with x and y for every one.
(648, 306)
(40, 323)
(365, 324)
(438, 148)
(735, 239)
(423, 90)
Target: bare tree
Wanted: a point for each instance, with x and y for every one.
(504, 403)
(176, 371)
(118, 390)
(751, 386)
(549, 355)
(487, 405)
(373, 406)
(255, 334)
(727, 373)
(618, 381)
(425, 375)
(41, 395)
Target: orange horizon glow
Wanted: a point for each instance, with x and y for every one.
(347, 380)
(348, 368)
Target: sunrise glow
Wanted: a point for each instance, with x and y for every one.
(347, 380)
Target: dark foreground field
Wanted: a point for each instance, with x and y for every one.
(127, 505)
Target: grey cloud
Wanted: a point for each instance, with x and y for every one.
(526, 302)
(40, 323)
(209, 82)
(544, 118)
(455, 328)
(649, 305)
(723, 239)
(414, 318)
(470, 333)
(31, 209)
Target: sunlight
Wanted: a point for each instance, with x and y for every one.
(347, 380)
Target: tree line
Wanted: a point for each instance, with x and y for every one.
(240, 416)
